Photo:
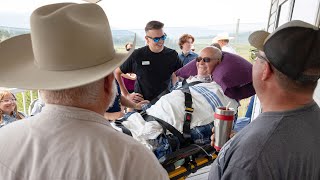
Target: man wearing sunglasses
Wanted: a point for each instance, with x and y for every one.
(283, 141)
(154, 64)
(206, 95)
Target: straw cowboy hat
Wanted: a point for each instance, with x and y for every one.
(69, 45)
(221, 36)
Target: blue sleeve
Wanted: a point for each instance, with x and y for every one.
(116, 106)
(250, 107)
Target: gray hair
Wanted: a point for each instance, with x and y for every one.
(218, 53)
(87, 94)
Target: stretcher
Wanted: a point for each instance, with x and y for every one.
(185, 161)
(186, 157)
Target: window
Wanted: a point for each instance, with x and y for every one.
(271, 28)
(284, 13)
(305, 10)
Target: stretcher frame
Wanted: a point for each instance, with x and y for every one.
(192, 163)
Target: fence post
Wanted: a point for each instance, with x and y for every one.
(31, 96)
(24, 103)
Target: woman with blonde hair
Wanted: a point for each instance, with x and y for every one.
(8, 108)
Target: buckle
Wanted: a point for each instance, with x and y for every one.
(187, 109)
(188, 116)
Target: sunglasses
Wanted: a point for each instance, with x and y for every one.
(205, 59)
(157, 39)
(258, 55)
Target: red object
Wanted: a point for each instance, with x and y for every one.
(217, 148)
(223, 117)
(129, 83)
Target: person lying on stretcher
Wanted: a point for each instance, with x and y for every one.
(206, 96)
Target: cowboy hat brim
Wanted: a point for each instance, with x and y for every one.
(257, 39)
(92, 1)
(216, 39)
(17, 61)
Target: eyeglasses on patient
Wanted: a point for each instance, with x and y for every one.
(157, 39)
(205, 59)
(8, 100)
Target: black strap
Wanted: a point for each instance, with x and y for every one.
(153, 101)
(186, 137)
(166, 126)
(187, 118)
(188, 111)
(125, 130)
(184, 85)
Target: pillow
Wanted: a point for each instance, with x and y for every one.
(233, 74)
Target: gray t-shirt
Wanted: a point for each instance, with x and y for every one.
(277, 145)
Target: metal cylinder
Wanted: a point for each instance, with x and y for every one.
(223, 121)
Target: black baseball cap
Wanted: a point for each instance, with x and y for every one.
(292, 48)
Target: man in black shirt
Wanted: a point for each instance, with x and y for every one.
(154, 64)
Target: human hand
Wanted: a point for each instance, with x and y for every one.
(118, 115)
(135, 97)
(232, 133)
(139, 105)
(212, 136)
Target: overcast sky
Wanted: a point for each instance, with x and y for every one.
(130, 14)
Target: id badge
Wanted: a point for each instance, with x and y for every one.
(145, 63)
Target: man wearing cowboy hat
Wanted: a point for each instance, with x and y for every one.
(69, 56)
(283, 141)
(223, 40)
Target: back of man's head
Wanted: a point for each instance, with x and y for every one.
(79, 76)
(217, 45)
(292, 50)
(86, 94)
(153, 25)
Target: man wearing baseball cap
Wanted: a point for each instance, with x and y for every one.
(284, 140)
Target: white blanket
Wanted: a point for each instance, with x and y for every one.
(170, 108)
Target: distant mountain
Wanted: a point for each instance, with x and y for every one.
(201, 31)
(14, 31)
(209, 31)
(121, 37)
